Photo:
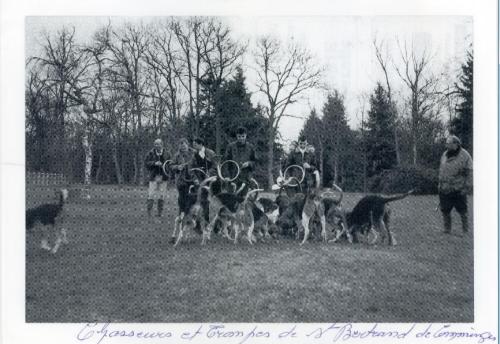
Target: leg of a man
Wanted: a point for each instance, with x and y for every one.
(461, 206)
(151, 193)
(446, 205)
(161, 196)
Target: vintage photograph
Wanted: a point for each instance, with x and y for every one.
(264, 169)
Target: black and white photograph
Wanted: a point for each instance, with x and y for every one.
(249, 169)
(249, 172)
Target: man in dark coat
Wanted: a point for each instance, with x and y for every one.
(243, 152)
(154, 161)
(303, 154)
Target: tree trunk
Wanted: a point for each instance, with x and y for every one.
(335, 170)
(270, 157)
(321, 164)
(99, 169)
(414, 151)
(87, 148)
(218, 133)
(396, 147)
(116, 162)
(136, 169)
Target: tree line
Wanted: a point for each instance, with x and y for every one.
(401, 138)
(93, 108)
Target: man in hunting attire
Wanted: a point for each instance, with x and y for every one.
(303, 154)
(455, 182)
(243, 152)
(154, 161)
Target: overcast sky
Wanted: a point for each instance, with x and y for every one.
(342, 44)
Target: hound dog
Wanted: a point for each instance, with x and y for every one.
(265, 212)
(192, 216)
(51, 216)
(232, 210)
(298, 210)
(372, 212)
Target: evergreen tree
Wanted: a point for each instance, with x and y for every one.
(379, 134)
(337, 137)
(462, 124)
(233, 108)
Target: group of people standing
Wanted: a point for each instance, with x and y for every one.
(193, 164)
(455, 171)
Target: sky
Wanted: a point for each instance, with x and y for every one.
(343, 45)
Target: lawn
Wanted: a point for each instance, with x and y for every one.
(119, 267)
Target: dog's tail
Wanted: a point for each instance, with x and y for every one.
(393, 198)
(203, 185)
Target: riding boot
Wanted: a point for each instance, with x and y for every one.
(447, 222)
(465, 222)
(150, 206)
(160, 207)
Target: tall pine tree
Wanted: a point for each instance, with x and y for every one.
(462, 124)
(381, 152)
(337, 137)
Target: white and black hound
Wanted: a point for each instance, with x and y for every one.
(50, 217)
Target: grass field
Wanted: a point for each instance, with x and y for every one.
(119, 267)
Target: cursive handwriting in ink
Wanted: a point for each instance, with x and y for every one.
(446, 332)
(191, 335)
(99, 332)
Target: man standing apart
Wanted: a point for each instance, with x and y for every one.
(157, 178)
(455, 182)
(243, 153)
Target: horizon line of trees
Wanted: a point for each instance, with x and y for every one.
(93, 109)
(396, 143)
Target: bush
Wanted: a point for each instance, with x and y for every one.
(423, 180)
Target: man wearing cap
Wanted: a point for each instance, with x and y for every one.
(157, 178)
(455, 182)
(243, 152)
(303, 154)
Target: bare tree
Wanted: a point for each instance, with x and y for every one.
(61, 63)
(165, 68)
(220, 54)
(128, 47)
(383, 60)
(189, 38)
(283, 74)
(416, 74)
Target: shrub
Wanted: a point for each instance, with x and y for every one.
(423, 180)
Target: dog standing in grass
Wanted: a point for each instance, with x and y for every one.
(51, 218)
(371, 213)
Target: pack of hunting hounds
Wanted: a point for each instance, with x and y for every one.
(233, 208)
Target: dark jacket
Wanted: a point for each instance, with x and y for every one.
(207, 163)
(183, 160)
(297, 157)
(241, 153)
(151, 158)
